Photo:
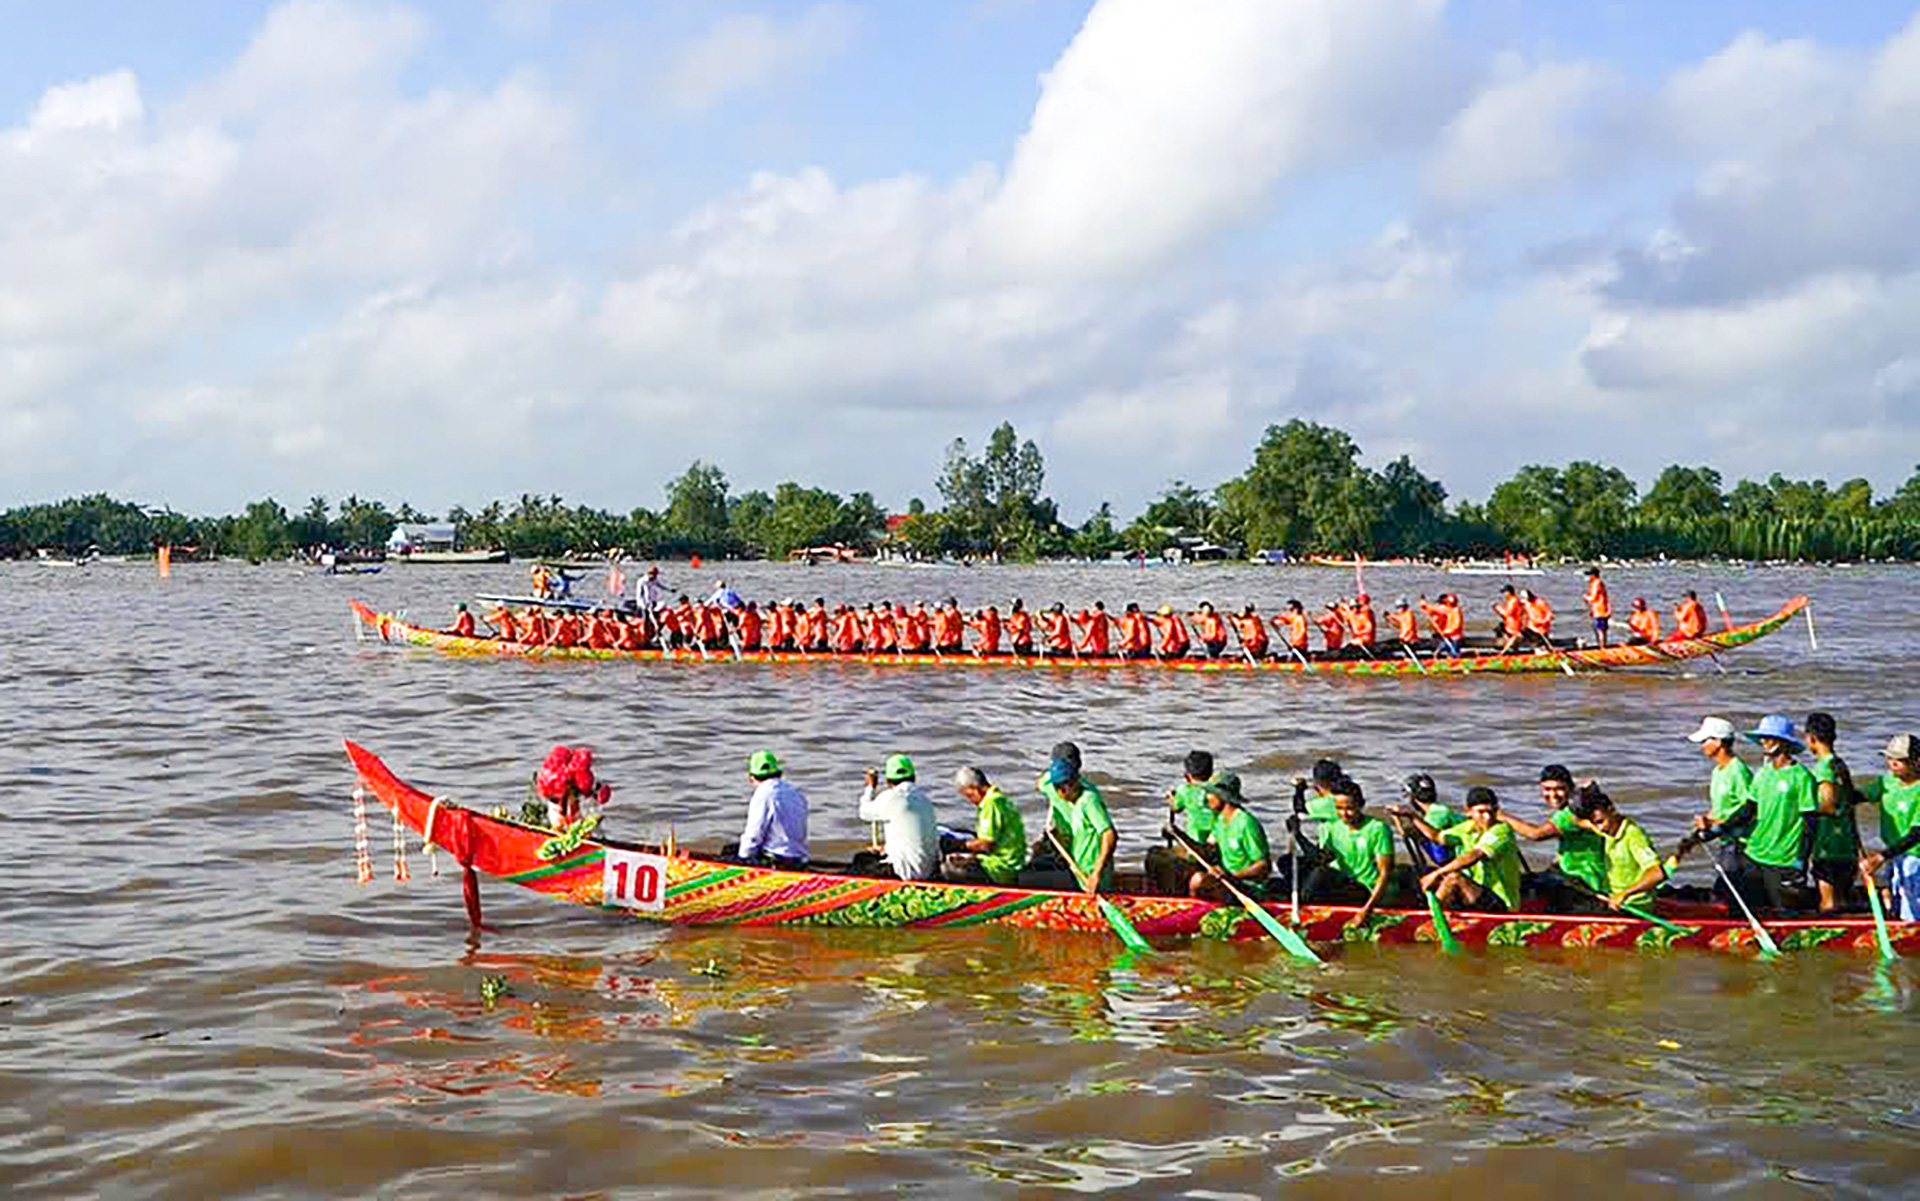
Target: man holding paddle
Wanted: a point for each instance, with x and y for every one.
(1359, 856)
(1484, 874)
(1077, 814)
(1240, 839)
(1898, 795)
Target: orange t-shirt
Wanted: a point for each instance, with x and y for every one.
(1332, 628)
(1292, 627)
(988, 628)
(1646, 623)
(1253, 632)
(947, 625)
(1173, 634)
(1691, 618)
(751, 623)
(1360, 620)
(1597, 602)
(1447, 620)
(1540, 616)
(1059, 638)
(1020, 628)
(1405, 627)
(1513, 614)
(1209, 625)
(1095, 640)
(1135, 634)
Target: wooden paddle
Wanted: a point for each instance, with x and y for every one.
(1287, 937)
(1117, 919)
(1768, 947)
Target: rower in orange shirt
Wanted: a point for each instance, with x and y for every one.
(1333, 629)
(1406, 627)
(535, 629)
(814, 633)
(685, 623)
(1361, 623)
(1136, 633)
(633, 632)
(1173, 634)
(781, 625)
(1020, 628)
(1689, 617)
(987, 629)
(1252, 629)
(1208, 624)
(566, 631)
(846, 630)
(504, 626)
(709, 626)
(1094, 623)
(914, 630)
(1292, 626)
(1448, 623)
(601, 633)
(462, 623)
(750, 623)
(1056, 632)
(1539, 617)
(1513, 619)
(948, 626)
(1599, 605)
(882, 632)
(1643, 623)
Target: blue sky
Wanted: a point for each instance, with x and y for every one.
(449, 252)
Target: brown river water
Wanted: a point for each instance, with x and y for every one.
(197, 999)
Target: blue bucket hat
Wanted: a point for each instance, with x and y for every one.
(1776, 725)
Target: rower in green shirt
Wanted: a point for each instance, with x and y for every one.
(1240, 839)
(1078, 814)
(1833, 853)
(1169, 866)
(1782, 790)
(998, 849)
(1580, 871)
(1423, 802)
(1485, 873)
(1633, 868)
(1898, 795)
(1358, 866)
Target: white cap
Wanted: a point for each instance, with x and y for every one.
(1712, 727)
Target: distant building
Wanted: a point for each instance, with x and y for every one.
(409, 537)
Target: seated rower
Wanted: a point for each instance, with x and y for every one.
(1423, 802)
(987, 628)
(1056, 632)
(1358, 863)
(1173, 634)
(1689, 618)
(1898, 794)
(1240, 840)
(1513, 619)
(911, 848)
(1579, 873)
(998, 849)
(1539, 618)
(535, 629)
(564, 781)
(462, 623)
(1643, 624)
(1333, 630)
(1484, 875)
(1020, 629)
(1096, 636)
(1077, 816)
(1291, 624)
(1136, 634)
(1169, 866)
(1633, 868)
(1406, 627)
(1211, 628)
(776, 831)
(1251, 629)
(1448, 623)
(505, 628)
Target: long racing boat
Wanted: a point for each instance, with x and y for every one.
(393, 627)
(668, 884)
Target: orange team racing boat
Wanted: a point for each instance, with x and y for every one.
(667, 884)
(1410, 661)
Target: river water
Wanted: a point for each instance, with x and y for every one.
(197, 999)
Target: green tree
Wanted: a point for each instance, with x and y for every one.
(697, 508)
(1097, 537)
(262, 533)
(1684, 494)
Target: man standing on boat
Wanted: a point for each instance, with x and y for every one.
(1781, 791)
(1077, 813)
(998, 849)
(1599, 605)
(1898, 795)
(651, 592)
(1834, 841)
(776, 831)
(912, 841)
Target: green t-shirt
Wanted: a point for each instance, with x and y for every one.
(1193, 803)
(1729, 788)
(1833, 833)
(999, 823)
(1499, 871)
(1629, 855)
(1583, 854)
(1320, 809)
(1899, 805)
(1086, 820)
(1356, 853)
(1242, 842)
(1781, 795)
(1440, 817)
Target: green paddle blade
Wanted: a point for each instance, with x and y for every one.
(1448, 942)
(1287, 936)
(1880, 923)
(1123, 927)
(1647, 915)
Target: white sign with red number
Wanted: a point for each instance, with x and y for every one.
(632, 880)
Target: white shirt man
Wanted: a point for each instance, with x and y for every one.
(776, 828)
(651, 592)
(912, 836)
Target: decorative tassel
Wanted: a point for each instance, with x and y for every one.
(426, 837)
(360, 850)
(400, 871)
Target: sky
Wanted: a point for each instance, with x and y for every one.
(444, 253)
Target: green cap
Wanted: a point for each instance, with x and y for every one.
(1226, 786)
(762, 765)
(899, 768)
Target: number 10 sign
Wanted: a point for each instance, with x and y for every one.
(631, 880)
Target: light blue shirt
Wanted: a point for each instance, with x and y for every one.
(776, 822)
(726, 598)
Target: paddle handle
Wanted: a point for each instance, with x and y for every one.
(1759, 931)
(1879, 918)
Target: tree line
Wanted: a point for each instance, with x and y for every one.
(1305, 492)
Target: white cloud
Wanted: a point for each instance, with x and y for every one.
(1515, 137)
(747, 50)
